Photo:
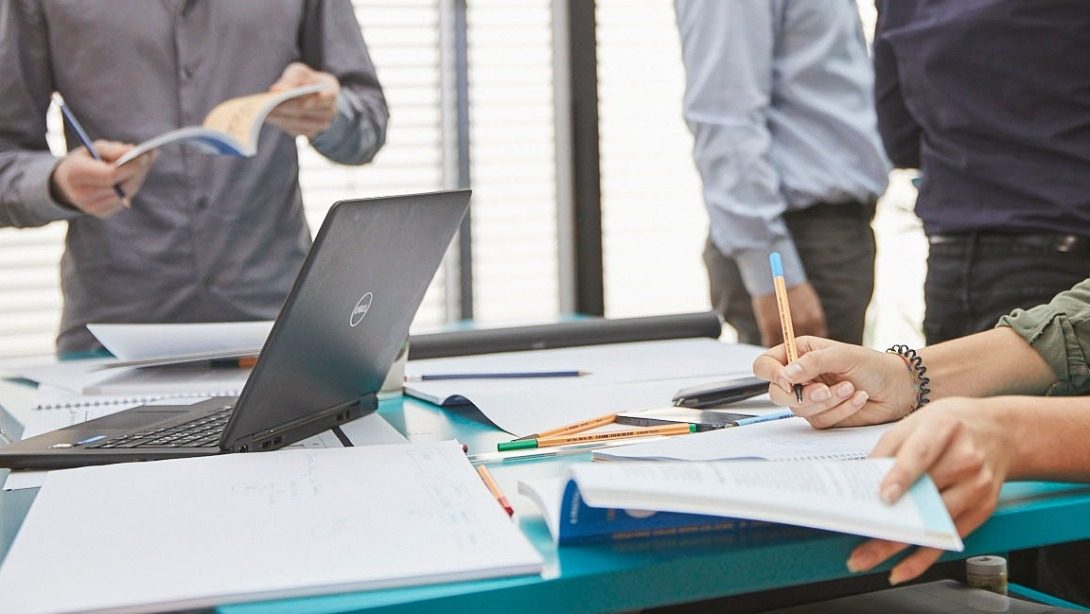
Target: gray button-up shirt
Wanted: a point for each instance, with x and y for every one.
(208, 238)
(779, 98)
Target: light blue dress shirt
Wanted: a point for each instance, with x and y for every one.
(779, 98)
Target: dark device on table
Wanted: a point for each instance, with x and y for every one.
(704, 419)
(720, 393)
(325, 359)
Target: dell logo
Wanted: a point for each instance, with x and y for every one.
(360, 310)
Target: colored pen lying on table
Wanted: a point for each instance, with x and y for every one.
(430, 377)
(779, 415)
(494, 488)
(785, 314)
(86, 142)
(576, 427)
(559, 440)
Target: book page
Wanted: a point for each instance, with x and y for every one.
(242, 117)
(788, 439)
(836, 495)
(193, 533)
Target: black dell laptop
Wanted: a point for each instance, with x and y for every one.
(324, 360)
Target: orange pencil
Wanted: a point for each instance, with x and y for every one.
(560, 440)
(785, 314)
(494, 488)
(576, 427)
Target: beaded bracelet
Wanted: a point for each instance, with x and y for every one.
(918, 372)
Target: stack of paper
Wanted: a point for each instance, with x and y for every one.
(193, 533)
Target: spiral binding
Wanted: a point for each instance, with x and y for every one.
(105, 401)
(918, 371)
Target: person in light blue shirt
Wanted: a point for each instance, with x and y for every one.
(779, 98)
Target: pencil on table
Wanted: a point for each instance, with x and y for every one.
(575, 427)
(486, 477)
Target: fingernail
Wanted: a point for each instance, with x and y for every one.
(897, 576)
(891, 493)
(860, 561)
(819, 395)
(844, 389)
(860, 399)
(792, 370)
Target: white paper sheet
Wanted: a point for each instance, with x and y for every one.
(623, 376)
(140, 341)
(193, 533)
(788, 439)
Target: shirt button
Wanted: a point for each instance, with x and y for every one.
(202, 203)
(187, 71)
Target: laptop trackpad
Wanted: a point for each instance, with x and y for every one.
(138, 417)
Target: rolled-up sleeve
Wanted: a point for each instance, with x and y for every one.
(25, 161)
(358, 130)
(1060, 333)
(727, 48)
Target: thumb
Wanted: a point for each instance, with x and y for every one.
(294, 75)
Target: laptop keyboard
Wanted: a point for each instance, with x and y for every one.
(202, 432)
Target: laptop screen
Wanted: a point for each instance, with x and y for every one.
(350, 308)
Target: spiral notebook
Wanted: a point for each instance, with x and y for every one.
(57, 408)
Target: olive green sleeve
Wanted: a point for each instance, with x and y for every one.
(1060, 333)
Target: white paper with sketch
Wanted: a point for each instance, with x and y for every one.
(141, 341)
(622, 376)
(193, 533)
(787, 439)
(832, 495)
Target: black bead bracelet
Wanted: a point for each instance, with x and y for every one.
(918, 372)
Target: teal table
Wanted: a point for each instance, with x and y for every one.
(625, 575)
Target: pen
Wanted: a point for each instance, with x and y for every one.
(669, 429)
(576, 427)
(428, 377)
(243, 362)
(780, 415)
(785, 314)
(86, 142)
(585, 447)
(494, 488)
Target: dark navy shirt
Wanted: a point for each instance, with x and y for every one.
(990, 99)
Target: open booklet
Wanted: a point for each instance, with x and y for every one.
(231, 128)
(609, 501)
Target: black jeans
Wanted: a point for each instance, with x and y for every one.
(976, 278)
(973, 280)
(836, 245)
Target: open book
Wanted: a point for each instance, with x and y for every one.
(606, 501)
(231, 128)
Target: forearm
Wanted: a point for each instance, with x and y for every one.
(727, 49)
(358, 130)
(995, 362)
(1047, 437)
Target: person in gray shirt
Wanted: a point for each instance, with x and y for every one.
(207, 238)
(778, 96)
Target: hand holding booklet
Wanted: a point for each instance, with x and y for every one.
(231, 128)
(606, 501)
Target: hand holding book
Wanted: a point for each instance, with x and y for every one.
(308, 115)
